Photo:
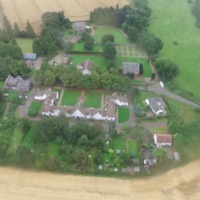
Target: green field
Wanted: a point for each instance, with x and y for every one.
(70, 97)
(172, 21)
(123, 114)
(93, 99)
(98, 60)
(25, 44)
(103, 30)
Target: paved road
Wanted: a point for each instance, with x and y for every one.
(161, 91)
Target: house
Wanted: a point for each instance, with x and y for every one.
(79, 27)
(17, 84)
(86, 67)
(161, 140)
(29, 56)
(131, 68)
(157, 105)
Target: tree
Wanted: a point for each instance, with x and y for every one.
(49, 78)
(16, 30)
(111, 64)
(26, 157)
(25, 125)
(141, 69)
(109, 51)
(29, 30)
(106, 38)
(68, 47)
(132, 33)
(7, 26)
(167, 70)
(89, 45)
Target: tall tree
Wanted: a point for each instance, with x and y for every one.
(29, 30)
(8, 26)
(16, 30)
(109, 51)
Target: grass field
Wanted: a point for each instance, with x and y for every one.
(131, 147)
(25, 44)
(70, 97)
(15, 141)
(34, 108)
(98, 60)
(123, 114)
(93, 99)
(103, 30)
(180, 28)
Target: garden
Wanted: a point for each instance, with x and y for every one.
(123, 114)
(70, 97)
(93, 99)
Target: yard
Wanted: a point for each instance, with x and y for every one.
(70, 97)
(34, 108)
(93, 99)
(180, 29)
(97, 59)
(103, 30)
(131, 148)
(25, 44)
(79, 46)
(123, 114)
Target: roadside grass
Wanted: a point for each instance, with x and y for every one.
(25, 44)
(15, 141)
(34, 108)
(79, 46)
(181, 29)
(93, 99)
(116, 32)
(143, 61)
(96, 59)
(131, 147)
(123, 114)
(70, 97)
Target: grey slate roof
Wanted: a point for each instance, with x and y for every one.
(156, 103)
(128, 67)
(29, 56)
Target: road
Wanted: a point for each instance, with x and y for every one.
(162, 91)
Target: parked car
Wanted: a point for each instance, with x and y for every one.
(161, 84)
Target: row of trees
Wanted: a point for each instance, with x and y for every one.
(72, 77)
(51, 37)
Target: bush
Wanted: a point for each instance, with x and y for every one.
(34, 108)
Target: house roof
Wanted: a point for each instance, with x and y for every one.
(156, 103)
(86, 67)
(29, 56)
(128, 67)
(164, 138)
(79, 26)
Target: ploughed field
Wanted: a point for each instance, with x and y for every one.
(20, 11)
(180, 184)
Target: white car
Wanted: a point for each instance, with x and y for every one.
(161, 84)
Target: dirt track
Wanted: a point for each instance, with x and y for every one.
(178, 184)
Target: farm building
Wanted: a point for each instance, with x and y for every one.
(29, 56)
(131, 68)
(86, 67)
(161, 140)
(157, 105)
(17, 84)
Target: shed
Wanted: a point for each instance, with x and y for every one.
(176, 156)
(163, 140)
(118, 151)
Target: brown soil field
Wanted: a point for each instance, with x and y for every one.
(178, 184)
(20, 11)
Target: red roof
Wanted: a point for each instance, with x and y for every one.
(164, 138)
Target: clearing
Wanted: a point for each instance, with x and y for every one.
(25, 44)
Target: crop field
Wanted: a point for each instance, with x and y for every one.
(180, 29)
(20, 11)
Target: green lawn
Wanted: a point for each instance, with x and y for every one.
(25, 44)
(103, 30)
(131, 147)
(12, 95)
(69, 33)
(98, 60)
(93, 99)
(123, 114)
(1, 85)
(15, 141)
(80, 47)
(70, 97)
(180, 28)
(34, 108)
(118, 144)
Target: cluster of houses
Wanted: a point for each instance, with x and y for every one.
(107, 113)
